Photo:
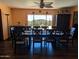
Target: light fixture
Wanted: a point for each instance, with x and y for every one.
(46, 18)
(33, 17)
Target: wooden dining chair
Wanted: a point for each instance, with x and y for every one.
(62, 41)
(50, 38)
(36, 27)
(12, 35)
(69, 37)
(18, 39)
(72, 36)
(28, 28)
(37, 38)
(44, 27)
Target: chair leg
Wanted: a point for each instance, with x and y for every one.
(33, 47)
(47, 46)
(41, 46)
(55, 43)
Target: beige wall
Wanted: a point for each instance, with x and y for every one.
(71, 11)
(5, 10)
(20, 15)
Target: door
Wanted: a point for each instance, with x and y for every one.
(1, 28)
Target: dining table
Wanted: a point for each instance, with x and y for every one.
(44, 34)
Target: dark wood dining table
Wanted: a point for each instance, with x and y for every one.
(44, 34)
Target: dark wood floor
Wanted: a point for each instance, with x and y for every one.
(48, 52)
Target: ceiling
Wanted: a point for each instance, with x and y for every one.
(30, 3)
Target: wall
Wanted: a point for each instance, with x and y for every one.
(20, 15)
(5, 10)
(69, 10)
(73, 9)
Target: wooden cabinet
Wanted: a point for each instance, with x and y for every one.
(63, 21)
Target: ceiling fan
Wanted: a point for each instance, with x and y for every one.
(43, 4)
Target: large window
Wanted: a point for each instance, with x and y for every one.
(40, 20)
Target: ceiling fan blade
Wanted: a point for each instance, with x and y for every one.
(37, 3)
(48, 3)
(49, 6)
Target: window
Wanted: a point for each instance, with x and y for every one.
(40, 20)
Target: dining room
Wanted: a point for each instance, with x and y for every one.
(39, 29)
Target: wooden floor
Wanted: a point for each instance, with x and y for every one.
(48, 52)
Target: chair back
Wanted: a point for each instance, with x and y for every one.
(37, 33)
(28, 28)
(36, 27)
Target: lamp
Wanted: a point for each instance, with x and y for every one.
(46, 17)
(7, 18)
(7, 24)
(33, 17)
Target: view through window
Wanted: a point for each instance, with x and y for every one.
(40, 20)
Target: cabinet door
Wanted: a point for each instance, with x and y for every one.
(1, 28)
(63, 21)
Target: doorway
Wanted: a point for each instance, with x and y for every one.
(1, 28)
